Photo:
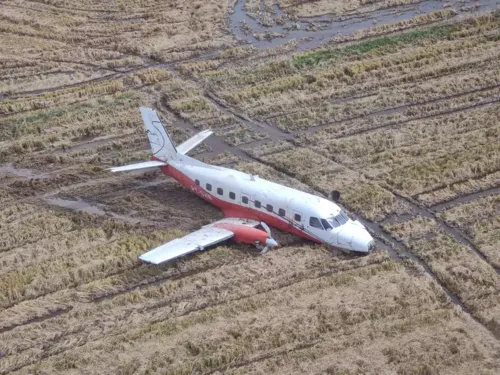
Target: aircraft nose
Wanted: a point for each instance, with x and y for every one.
(363, 242)
(357, 238)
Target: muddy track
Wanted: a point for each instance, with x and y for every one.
(258, 126)
(38, 319)
(58, 8)
(87, 64)
(397, 219)
(387, 110)
(423, 211)
(215, 143)
(442, 206)
(75, 285)
(396, 123)
(443, 186)
(64, 87)
(262, 357)
(312, 32)
(54, 72)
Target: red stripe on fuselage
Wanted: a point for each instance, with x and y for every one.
(233, 209)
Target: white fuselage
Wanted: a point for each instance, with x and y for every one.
(240, 194)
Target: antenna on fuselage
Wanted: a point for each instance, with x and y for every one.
(334, 196)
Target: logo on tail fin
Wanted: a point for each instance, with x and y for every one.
(161, 144)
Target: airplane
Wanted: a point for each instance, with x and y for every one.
(247, 201)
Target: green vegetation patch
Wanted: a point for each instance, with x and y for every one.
(316, 57)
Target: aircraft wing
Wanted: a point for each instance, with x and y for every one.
(195, 241)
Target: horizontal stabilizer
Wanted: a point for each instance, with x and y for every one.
(143, 165)
(194, 141)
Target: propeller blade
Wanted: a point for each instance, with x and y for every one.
(264, 250)
(266, 228)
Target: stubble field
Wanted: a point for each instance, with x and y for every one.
(399, 113)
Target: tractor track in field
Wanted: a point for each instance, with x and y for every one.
(38, 319)
(395, 123)
(466, 198)
(388, 110)
(72, 286)
(461, 181)
(423, 211)
(265, 356)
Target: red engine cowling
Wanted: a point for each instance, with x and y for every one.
(245, 234)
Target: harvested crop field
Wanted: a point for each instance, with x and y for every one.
(394, 104)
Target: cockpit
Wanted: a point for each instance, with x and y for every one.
(331, 222)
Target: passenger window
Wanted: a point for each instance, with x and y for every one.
(197, 182)
(257, 204)
(220, 191)
(232, 195)
(209, 187)
(281, 212)
(244, 199)
(269, 208)
(297, 217)
(314, 222)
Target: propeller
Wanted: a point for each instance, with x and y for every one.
(270, 241)
(266, 228)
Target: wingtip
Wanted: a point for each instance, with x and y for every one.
(145, 109)
(146, 260)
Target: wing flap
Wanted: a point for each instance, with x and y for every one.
(192, 242)
(237, 221)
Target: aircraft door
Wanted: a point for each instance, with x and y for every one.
(313, 225)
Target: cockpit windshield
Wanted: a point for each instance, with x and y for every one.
(335, 221)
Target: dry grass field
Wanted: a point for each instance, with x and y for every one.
(402, 117)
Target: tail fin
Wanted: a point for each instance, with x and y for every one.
(162, 146)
